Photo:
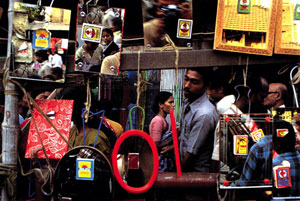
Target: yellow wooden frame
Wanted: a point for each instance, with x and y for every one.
(269, 29)
(281, 47)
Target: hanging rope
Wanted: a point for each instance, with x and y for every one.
(296, 77)
(245, 72)
(283, 69)
(171, 44)
(10, 172)
(138, 89)
(88, 102)
(5, 71)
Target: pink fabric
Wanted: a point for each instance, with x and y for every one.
(158, 126)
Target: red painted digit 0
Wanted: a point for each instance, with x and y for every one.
(115, 164)
(175, 143)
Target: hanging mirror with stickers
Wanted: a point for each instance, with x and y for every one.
(287, 39)
(165, 21)
(241, 136)
(99, 38)
(39, 42)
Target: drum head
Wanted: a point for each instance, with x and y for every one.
(68, 184)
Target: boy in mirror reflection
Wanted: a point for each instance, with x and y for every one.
(165, 18)
(88, 55)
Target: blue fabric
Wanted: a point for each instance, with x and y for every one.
(21, 119)
(167, 160)
(294, 159)
(258, 163)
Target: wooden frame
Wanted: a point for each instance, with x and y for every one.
(260, 33)
(285, 44)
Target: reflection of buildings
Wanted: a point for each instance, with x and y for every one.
(55, 19)
(246, 30)
(289, 38)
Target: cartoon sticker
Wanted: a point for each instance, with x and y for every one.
(244, 6)
(91, 32)
(282, 132)
(41, 39)
(282, 177)
(240, 145)
(84, 169)
(257, 135)
(184, 29)
(297, 12)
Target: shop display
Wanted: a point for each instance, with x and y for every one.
(243, 163)
(246, 26)
(287, 40)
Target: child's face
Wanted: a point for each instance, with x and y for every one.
(107, 38)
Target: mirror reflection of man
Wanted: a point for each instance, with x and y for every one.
(167, 13)
(88, 55)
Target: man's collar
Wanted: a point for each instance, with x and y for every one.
(193, 105)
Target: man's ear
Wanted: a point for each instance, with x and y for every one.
(278, 96)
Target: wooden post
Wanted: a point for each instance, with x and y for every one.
(10, 125)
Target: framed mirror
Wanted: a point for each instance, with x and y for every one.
(287, 40)
(40, 42)
(164, 20)
(99, 39)
(246, 26)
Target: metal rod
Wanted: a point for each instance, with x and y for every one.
(187, 181)
(10, 125)
(294, 90)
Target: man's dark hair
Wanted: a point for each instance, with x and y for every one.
(109, 31)
(43, 54)
(50, 77)
(57, 71)
(204, 72)
(117, 22)
(284, 143)
(160, 98)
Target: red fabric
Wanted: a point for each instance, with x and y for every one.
(55, 146)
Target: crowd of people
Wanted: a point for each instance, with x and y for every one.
(48, 65)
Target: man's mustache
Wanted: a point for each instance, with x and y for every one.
(186, 90)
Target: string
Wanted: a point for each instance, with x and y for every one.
(88, 101)
(138, 89)
(283, 69)
(245, 72)
(143, 119)
(170, 43)
(99, 127)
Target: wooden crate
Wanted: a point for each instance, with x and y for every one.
(251, 33)
(286, 39)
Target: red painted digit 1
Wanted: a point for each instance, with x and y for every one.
(175, 143)
(115, 164)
